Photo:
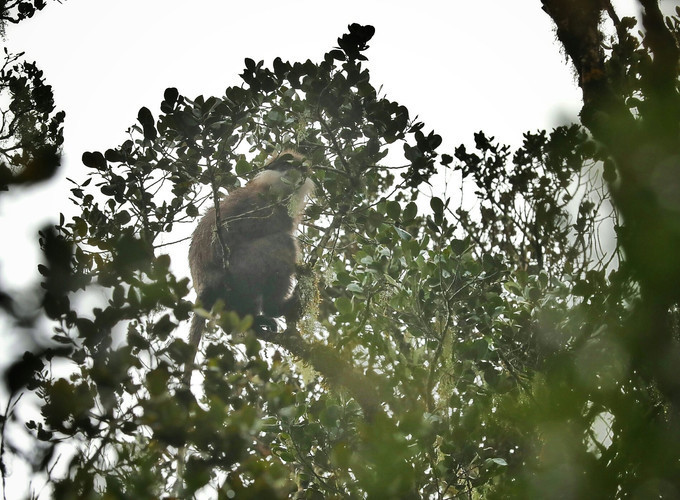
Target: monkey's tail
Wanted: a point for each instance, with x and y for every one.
(195, 334)
(196, 331)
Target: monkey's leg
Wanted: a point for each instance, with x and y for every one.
(293, 305)
(262, 270)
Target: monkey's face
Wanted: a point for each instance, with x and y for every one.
(294, 176)
(284, 181)
(289, 161)
(292, 171)
(285, 176)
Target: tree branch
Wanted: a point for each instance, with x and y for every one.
(337, 372)
(662, 44)
(660, 82)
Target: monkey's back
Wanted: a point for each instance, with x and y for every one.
(257, 231)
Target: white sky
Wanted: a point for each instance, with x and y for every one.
(461, 66)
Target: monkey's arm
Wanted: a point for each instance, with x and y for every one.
(305, 295)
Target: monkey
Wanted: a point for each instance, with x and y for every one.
(250, 263)
(258, 225)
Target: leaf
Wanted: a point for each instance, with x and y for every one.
(458, 246)
(118, 296)
(393, 210)
(434, 140)
(22, 372)
(496, 461)
(136, 340)
(122, 218)
(410, 212)
(170, 97)
(512, 287)
(243, 166)
(94, 160)
(192, 210)
(534, 294)
(437, 205)
(157, 380)
(114, 155)
(280, 68)
(338, 55)
(148, 124)
(404, 235)
(343, 305)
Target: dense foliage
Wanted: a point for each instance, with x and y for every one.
(31, 130)
(508, 339)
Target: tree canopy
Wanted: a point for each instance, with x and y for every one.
(486, 322)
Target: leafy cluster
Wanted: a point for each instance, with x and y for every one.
(14, 11)
(32, 132)
(485, 343)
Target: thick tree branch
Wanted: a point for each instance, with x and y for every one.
(640, 147)
(662, 44)
(577, 23)
(336, 371)
(660, 82)
(604, 112)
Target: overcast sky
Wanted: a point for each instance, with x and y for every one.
(461, 66)
(491, 65)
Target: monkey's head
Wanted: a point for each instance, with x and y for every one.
(286, 175)
(287, 160)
